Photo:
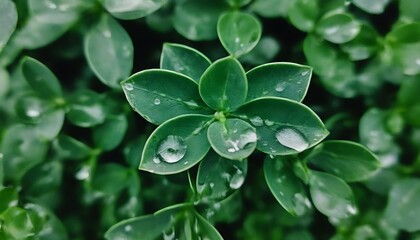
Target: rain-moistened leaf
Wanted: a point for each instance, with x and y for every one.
(348, 160)
(183, 59)
(238, 32)
(159, 95)
(176, 145)
(338, 28)
(218, 177)
(132, 9)
(331, 195)
(303, 14)
(402, 210)
(364, 45)
(68, 147)
(270, 8)
(409, 101)
(286, 186)
(108, 135)
(373, 133)
(86, 109)
(109, 51)
(223, 85)
(233, 139)
(320, 55)
(41, 79)
(283, 126)
(372, 6)
(286, 80)
(8, 21)
(193, 23)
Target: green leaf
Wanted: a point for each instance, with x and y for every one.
(70, 148)
(331, 195)
(409, 101)
(409, 10)
(238, 3)
(286, 80)
(364, 45)
(42, 179)
(197, 20)
(8, 198)
(372, 6)
(345, 159)
(223, 85)
(233, 139)
(283, 126)
(158, 95)
(402, 210)
(50, 124)
(183, 59)
(41, 79)
(17, 224)
(286, 187)
(109, 51)
(133, 150)
(373, 133)
(320, 55)
(50, 227)
(109, 135)
(86, 109)
(109, 179)
(238, 32)
(218, 177)
(266, 50)
(4, 82)
(176, 145)
(303, 14)
(132, 9)
(338, 28)
(270, 8)
(8, 21)
(205, 230)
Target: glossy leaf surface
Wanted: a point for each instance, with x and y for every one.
(108, 135)
(86, 109)
(238, 32)
(283, 126)
(286, 80)
(338, 28)
(372, 6)
(132, 9)
(348, 160)
(159, 95)
(176, 145)
(109, 51)
(183, 59)
(223, 85)
(303, 14)
(8, 21)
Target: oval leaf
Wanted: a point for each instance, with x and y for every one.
(283, 126)
(218, 177)
(185, 60)
(372, 6)
(347, 160)
(303, 14)
(408, 99)
(223, 85)
(286, 186)
(331, 195)
(286, 80)
(50, 124)
(338, 28)
(41, 79)
(159, 95)
(176, 145)
(132, 9)
(320, 55)
(233, 139)
(403, 209)
(108, 135)
(8, 21)
(238, 32)
(86, 109)
(109, 51)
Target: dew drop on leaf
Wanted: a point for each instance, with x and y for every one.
(292, 138)
(156, 101)
(237, 180)
(128, 86)
(128, 228)
(257, 121)
(268, 122)
(301, 204)
(280, 86)
(83, 173)
(172, 149)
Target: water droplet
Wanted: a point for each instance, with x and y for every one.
(211, 185)
(301, 204)
(292, 138)
(237, 180)
(216, 206)
(418, 61)
(128, 228)
(64, 7)
(237, 40)
(33, 112)
(50, 5)
(351, 209)
(83, 173)
(278, 165)
(156, 101)
(280, 86)
(156, 160)
(126, 52)
(107, 33)
(172, 149)
(191, 104)
(256, 121)
(304, 73)
(128, 86)
(268, 122)
(169, 235)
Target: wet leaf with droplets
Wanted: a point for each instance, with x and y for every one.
(232, 139)
(347, 160)
(109, 51)
(223, 85)
(176, 145)
(286, 80)
(331, 195)
(218, 177)
(238, 32)
(159, 95)
(183, 59)
(286, 187)
(290, 129)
